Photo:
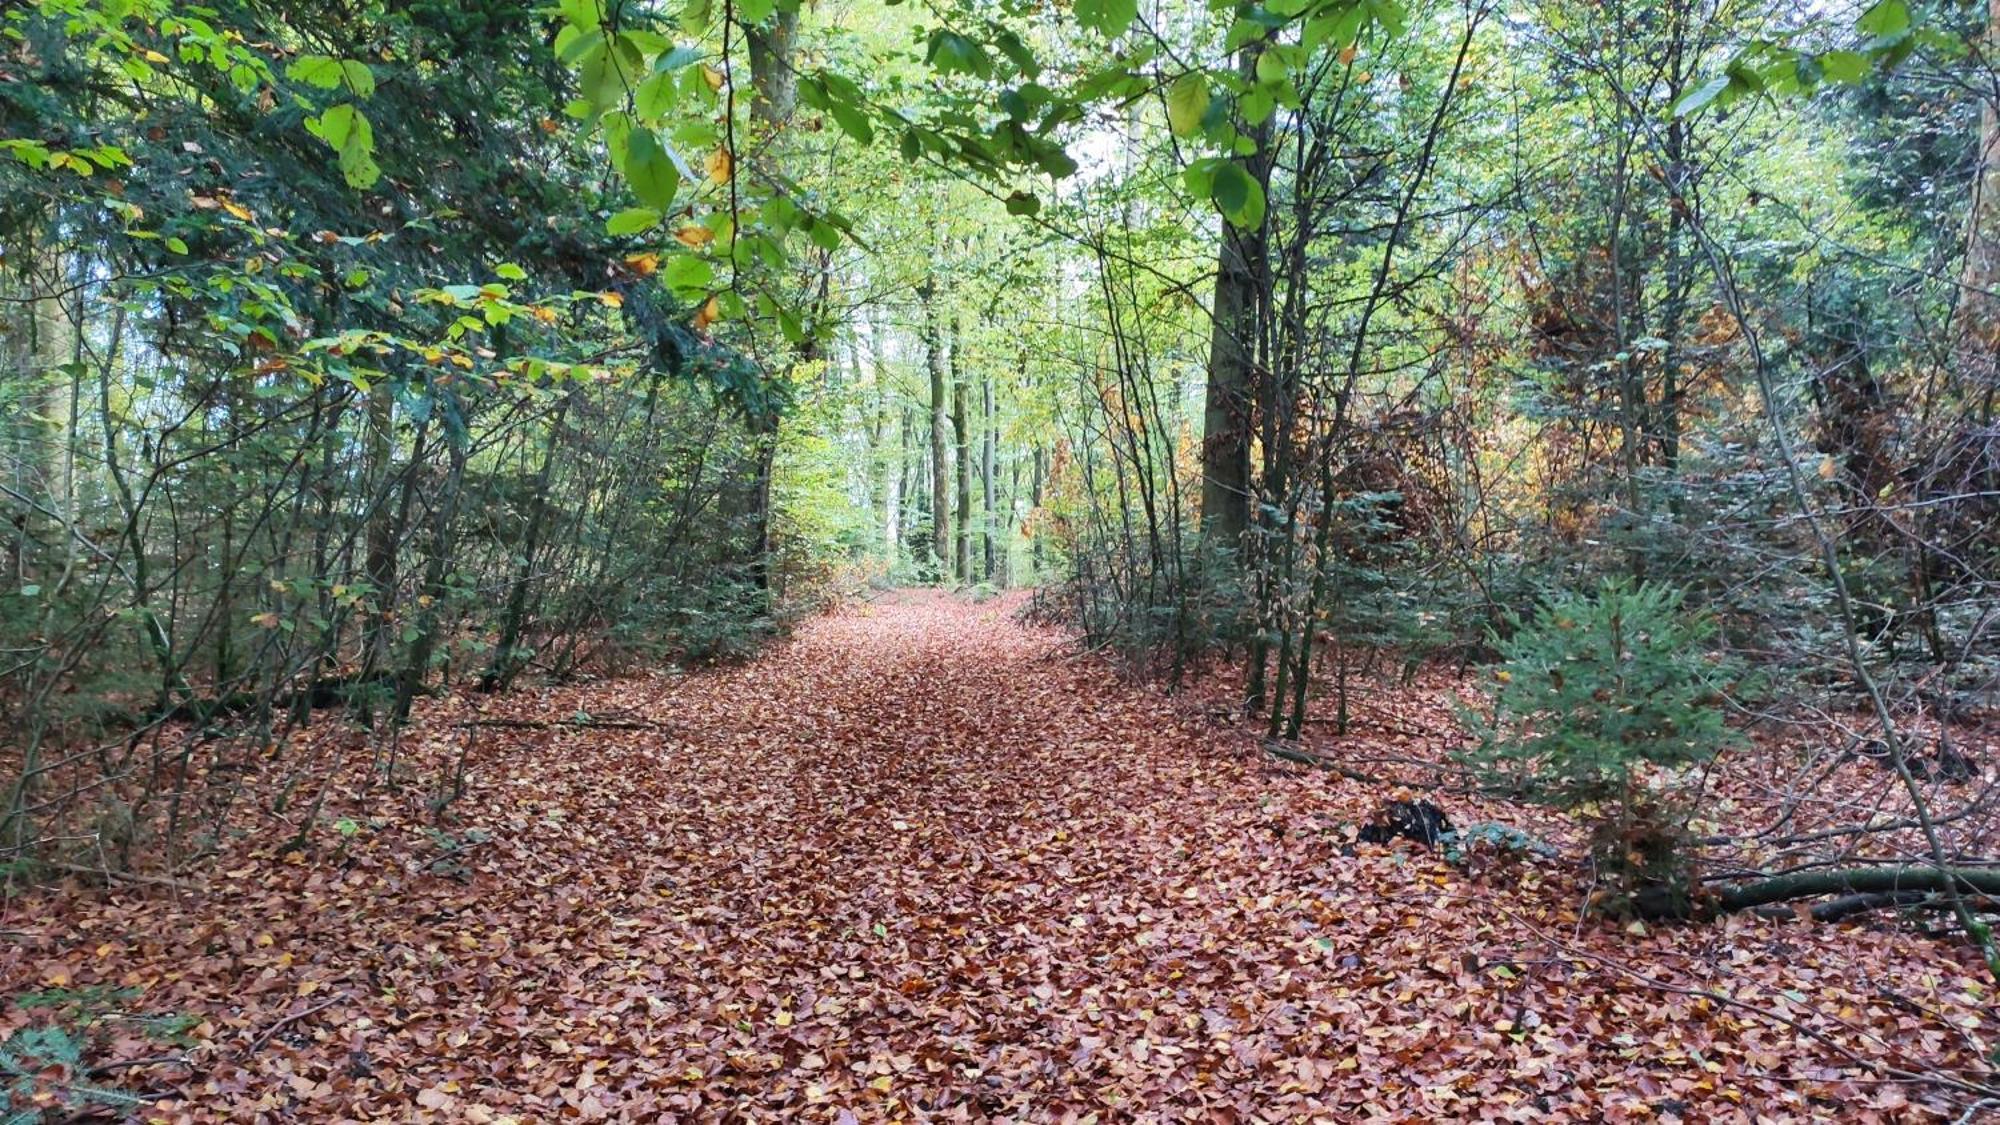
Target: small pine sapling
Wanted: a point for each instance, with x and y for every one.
(1598, 701)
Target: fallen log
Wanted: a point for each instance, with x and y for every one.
(1889, 882)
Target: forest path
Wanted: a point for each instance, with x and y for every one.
(922, 861)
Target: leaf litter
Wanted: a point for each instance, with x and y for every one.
(922, 862)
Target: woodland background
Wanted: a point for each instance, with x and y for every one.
(1612, 385)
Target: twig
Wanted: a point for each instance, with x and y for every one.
(109, 875)
(579, 724)
(288, 1021)
(153, 1060)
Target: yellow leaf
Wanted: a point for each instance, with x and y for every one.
(720, 165)
(784, 1019)
(712, 76)
(694, 236)
(156, 57)
(883, 1084)
(643, 264)
(238, 210)
(708, 314)
(308, 987)
(612, 300)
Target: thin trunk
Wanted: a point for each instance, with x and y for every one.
(962, 447)
(384, 524)
(506, 661)
(940, 424)
(443, 540)
(987, 452)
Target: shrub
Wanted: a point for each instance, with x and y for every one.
(1597, 700)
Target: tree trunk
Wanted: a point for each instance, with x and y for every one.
(1035, 551)
(773, 95)
(940, 423)
(773, 82)
(443, 542)
(1242, 290)
(379, 567)
(506, 662)
(962, 445)
(986, 456)
(1977, 338)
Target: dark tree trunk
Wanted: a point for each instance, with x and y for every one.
(1242, 292)
(940, 426)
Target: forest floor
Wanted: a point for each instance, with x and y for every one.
(922, 862)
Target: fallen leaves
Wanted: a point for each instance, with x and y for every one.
(916, 864)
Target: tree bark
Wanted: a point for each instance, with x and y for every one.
(1242, 291)
(986, 458)
(940, 423)
(1977, 332)
(773, 81)
(962, 442)
(773, 95)
(506, 662)
(1856, 881)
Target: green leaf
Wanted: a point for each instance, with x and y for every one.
(30, 591)
(1257, 105)
(852, 121)
(1886, 19)
(951, 52)
(653, 177)
(359, 78)
(1388, 13)
(632, 220)
(1844, 66)
(347, 131)
(510, 271)
(1109, 17)
(1056, 163)
(1023, 203)
(315, 70)
(1701, 95)
(572, 42)
(655, 97)
(1238, 194)
(686, 274)
(600, 79)
(1018, 53)
(1187, 100)
(1271, 68)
